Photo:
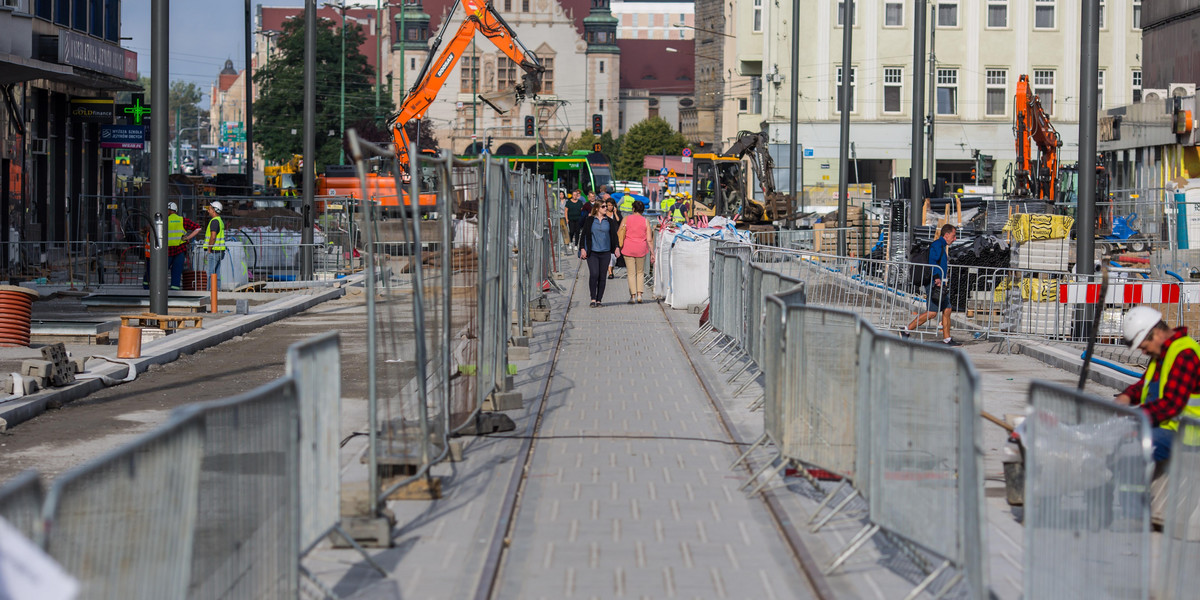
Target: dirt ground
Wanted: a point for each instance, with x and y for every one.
(63, 438)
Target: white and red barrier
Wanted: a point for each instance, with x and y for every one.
(1130, 293)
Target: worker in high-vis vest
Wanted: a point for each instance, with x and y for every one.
(214, 239)
(627, 201)
(180, 231)
(1171, 386)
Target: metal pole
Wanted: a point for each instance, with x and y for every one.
(917, 194)
(310, 137)
(931, 162)
(249, 165)
(794, 118)
(1085, 262)
(844, 135)
(178, 164)
(378, 50)
(342, 97)
(160, 96)
(403, 66)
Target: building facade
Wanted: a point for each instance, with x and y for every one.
(60, 66)
(650, 20)
(980, 49)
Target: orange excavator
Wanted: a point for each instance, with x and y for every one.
(1034, 178)
(481, 17)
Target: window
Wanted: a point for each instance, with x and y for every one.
(1137, 14)
(601, 66)
(947, 14)
(893, 81)
(601, 104)
(1043, 14)
(508, 5)
(524, 5)
(506, 73)
(742, 104)
(997, 14)
(842, 14)
(634, 16)
(548, 76)
(758, 6)
(682, 18)
(1137, 86)
(1043, 87)
(1101, 14)
(997, 91)
(893, 14)
(470, 73)
(838, 107)
(756, 85)
(1099, 90)
(947, 91)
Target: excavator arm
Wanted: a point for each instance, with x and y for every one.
(481, 17)
(1031, 125)
(777, 205)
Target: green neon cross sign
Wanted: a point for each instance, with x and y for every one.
(137, 110)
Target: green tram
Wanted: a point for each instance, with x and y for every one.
(581, 170)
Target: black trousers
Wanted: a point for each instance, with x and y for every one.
(598, 273)
(574, 226)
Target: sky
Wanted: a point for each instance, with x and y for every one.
(203, 35)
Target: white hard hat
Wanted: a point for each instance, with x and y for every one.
(216, 205)
(1138, 323)
(172, 206)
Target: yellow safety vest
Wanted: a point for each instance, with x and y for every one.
(220, 244)
(174, 230)
(666, 204)
(1193, 406)
(627, 203)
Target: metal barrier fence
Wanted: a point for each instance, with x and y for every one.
(315, 366)
(1179, 554)
(495, 277)
(1087, 479)
(246, 541)
(123, 524)
(21, 501)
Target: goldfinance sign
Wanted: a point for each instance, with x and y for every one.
(92, 110)
(90, 53)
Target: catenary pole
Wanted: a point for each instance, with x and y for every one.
(917, 192)
(310, 137)
(160, 100)
(794, 120)
(844, 135)
(249, 163)
(1085, 247)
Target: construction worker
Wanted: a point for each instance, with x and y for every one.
(214, 239)
(627, 201)
(667, 202)
(1170, 387)
(180, 231)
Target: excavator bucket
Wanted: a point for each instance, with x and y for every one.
(501, 101)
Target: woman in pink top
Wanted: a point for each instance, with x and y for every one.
(636, 244)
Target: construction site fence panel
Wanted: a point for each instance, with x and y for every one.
(315, 365)
(494, 277)
(124, 523)
(1087, 500)
(21, 501)
(926, 460)
(1176, 576)
(826, 358)
(246, 541)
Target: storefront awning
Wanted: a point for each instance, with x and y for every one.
(15, 69)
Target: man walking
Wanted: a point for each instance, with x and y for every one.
(938, 289)
(180, 231)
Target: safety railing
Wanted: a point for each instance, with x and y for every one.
(21, 503)
(246, 541)
(124, 524)
(1087, 480)
(1179, 553)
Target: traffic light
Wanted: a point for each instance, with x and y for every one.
(597, 124)
(986, 166)
(528, 126)
(489, 144)
(974, 176)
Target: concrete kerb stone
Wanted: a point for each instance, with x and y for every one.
(1069, 361)
(167, 350)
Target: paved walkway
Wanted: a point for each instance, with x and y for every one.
(629, 492)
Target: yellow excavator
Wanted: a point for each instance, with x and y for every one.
(284, 180)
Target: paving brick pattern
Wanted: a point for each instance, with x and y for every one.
(628, 493)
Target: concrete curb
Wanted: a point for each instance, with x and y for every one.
(165, 350)
(1067, 360)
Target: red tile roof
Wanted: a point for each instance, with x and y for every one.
(647, 65)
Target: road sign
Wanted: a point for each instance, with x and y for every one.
(672, 182)
(663, 172)
(671, 173)
(808, 153)
(662, 180)
(687, 160)
(687, 151)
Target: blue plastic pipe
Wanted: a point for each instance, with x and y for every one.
(1111, 365)
(1175, 275)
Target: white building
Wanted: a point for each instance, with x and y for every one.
(651, 20)
(981, 49)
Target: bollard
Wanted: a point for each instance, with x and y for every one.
(212, 290)
(129, 342)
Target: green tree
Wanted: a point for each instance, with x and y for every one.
(608, 145)
(184, 96)
(279, 110)
(652, 136)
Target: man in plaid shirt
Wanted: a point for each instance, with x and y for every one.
(1171, 386)
(180, 231)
